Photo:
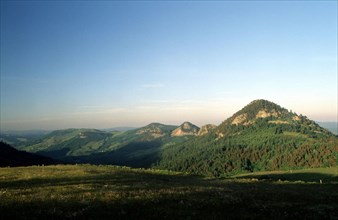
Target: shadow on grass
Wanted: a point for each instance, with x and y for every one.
(165, 208)
(145, 195)
(252, 202)
(305, 177)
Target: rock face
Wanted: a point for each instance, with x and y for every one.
(240, 119)
(205, 129)
(264, 113)
(186, 128)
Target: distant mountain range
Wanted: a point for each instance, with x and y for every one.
(17, 138)
(119, 129)
(261, 136)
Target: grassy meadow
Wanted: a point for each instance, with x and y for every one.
(111, 192)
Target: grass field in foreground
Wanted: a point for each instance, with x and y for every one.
(109, 192)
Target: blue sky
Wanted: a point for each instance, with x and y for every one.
(105, 64)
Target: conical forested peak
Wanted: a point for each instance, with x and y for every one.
(261, 109)
(263, 114)
(258, 109)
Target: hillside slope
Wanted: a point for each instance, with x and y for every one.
(206, 129)
(19, 138)
(69, 142)
(137, 148)
(9, 156)
(261, 136)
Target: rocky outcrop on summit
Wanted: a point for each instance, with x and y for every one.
(186, 128)
(206, 129)
(258, 109)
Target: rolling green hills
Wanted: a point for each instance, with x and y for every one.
(110, 192)
(17, 138)
(137, 148)
(62, 143)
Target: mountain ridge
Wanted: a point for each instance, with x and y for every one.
(260, 136)
(130, 148)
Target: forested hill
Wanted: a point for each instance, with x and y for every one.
(261, 136)
(263, 114)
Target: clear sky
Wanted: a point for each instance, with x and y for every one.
(103, 64)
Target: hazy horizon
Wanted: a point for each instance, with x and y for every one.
(321, 123)
(116, 64)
